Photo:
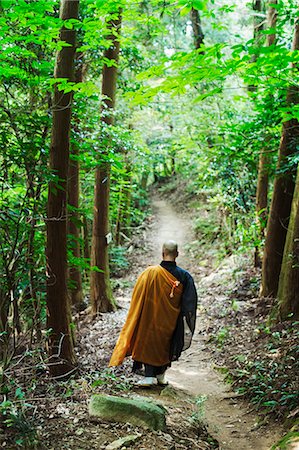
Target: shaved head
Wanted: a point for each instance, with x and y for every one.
(170, 250)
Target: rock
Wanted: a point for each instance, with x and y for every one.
(138, 412)
(119, 443)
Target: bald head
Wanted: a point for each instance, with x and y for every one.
(170, 251)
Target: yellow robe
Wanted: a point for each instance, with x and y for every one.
(151, 320)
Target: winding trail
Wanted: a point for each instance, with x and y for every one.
(229, 419)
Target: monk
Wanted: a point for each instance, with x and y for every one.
(161, 319)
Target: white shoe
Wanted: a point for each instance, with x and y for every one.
(161, 379)
(147, 382)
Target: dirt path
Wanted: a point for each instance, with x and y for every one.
(229, 420)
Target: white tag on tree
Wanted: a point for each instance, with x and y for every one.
(108, 238)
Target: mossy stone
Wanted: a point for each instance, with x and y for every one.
(138, 412)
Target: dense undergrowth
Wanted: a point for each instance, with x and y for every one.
(259, 358)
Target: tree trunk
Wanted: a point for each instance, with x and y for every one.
(100, 288)
(282, 196)
(258, 27)
(262, 186)
(272, 20)
(119, 217)
(144, 180)
(86, 247)
(198, 35)
(288, 297)
(124, 204)
(262, 200)
(85, 235)
(61, 351)
(264, 161)
(74, 223)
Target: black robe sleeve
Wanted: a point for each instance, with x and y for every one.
(182, 336)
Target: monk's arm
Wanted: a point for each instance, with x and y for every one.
(189, 303)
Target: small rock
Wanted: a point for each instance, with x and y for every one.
(119, 443)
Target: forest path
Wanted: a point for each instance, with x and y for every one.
(229, 419)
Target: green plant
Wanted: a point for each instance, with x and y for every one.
(289, 438)
(118, 260)
(14, 415)
(221, 336)
(108, 379)
(200, 403)
(197, 417)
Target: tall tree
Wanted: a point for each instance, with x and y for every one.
(61, 352)
(283, 191)
(100, 288)
(198, 36)
(74, 223)
(289, 276)
(258, 27)
(258, 21)
(264, 159)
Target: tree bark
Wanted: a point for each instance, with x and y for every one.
(124, 204)
(74, 223)
(60, 343)
(144, 180)
(85, 236)
(198, 36)
(272, 20)
(282, 196)
(100, 288)
(258, 6)
(258, 27)
(288, 297)
(119, 217)
(264, 160)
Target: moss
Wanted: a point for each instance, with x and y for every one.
(138, 412)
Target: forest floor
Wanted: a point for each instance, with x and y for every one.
(203, 410)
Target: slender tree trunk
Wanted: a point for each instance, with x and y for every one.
(198, 35)
(119, 218)
(258, 27)
(128, 199)
(100, 288)
(262, 200)
(85, 234)
(75, 277)
(86, 246)
(258, 7)
(32, 291)
(61, 351)
(144, 180)
(282, 196)
(172, 155)
(124, 204)
(264, 160)
(288, 291)
(272, 20)
(74, 222)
